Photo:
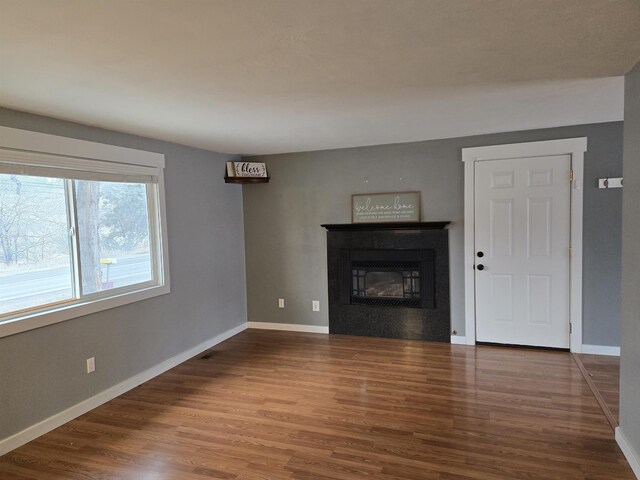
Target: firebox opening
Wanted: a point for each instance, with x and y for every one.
(386, 283)
(383, 284)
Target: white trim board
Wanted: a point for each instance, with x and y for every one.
(569, 146)
(601, 350)
(48, 424)
(289, 327)
(632, 457)
(458, 340)
(72, 147)
(66, 312)
(297, 327)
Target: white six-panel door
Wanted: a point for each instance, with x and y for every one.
(522, 239)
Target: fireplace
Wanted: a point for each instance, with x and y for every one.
(388, 277)
(389, 280)
(386, 283)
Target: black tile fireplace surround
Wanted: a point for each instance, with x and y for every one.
(389, 280)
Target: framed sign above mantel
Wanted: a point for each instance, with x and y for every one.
(390, 207)
(246, 172)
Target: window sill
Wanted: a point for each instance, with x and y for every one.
(58, 314)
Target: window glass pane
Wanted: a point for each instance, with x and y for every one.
(35, 261)
(113, 234)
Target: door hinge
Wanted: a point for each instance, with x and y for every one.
(570, 328)
(570, 252)
(571, 175)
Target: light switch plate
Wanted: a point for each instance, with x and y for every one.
(91, 364)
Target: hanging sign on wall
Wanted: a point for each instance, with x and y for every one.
(385, 207)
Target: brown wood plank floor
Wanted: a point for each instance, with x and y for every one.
(604, 375)
(278, 405)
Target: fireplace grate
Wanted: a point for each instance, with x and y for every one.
(386, 283)
(387, 302)
(400, 265)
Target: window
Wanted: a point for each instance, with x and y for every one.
(35, 260)
(77, 235)
(113, 229)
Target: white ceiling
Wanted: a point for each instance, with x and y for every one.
(267, 76)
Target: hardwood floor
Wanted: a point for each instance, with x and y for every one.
(278, 405)
(602, 374)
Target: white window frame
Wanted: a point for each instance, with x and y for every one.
(70, 152)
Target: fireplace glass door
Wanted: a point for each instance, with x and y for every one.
(386, 283)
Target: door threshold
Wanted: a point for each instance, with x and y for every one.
(529, 347)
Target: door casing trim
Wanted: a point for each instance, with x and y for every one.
(575, 147)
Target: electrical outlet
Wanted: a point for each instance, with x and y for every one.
(315, 305)
(91, 364)
(281, 303)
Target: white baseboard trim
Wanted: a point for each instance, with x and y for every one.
(290, 327)
(601, 350)
(458, 340)
(632, 456)
(48, 424)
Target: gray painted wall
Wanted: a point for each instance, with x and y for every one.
(630, 361)
(286, 248)
(42, 372)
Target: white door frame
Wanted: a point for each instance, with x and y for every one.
(569, 146)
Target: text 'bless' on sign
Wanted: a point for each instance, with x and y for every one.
(246, 169)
